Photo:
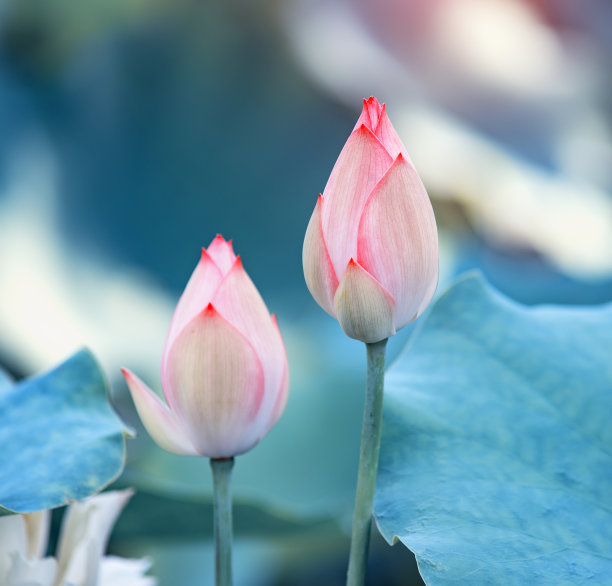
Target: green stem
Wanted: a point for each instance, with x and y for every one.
(222, 505)
(368, 463)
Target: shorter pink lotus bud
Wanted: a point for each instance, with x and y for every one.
(371, 248)
(224, 367)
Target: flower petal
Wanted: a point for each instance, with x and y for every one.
(37, 528)
(281, 398)
(429, 293)
(27, 571)
(13, 539)
(398, 240)
(319, 272)
(374, 117)
(364, 308)
(370, 114)
(239, 302)
(362, 162)
(197, 295)
(161, 423)
(217, 384)
(389, 137)
(85, 531)
(222, 253)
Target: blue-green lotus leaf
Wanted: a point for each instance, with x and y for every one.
(60, 439)
(496, 461)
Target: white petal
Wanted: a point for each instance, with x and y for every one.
(318, 269)
(13, 539)
(85, 531)
(37, 528)
(218, 385)
(239, 302)
(281, 397)
(162, 424)
(31, 571)
(364, 308)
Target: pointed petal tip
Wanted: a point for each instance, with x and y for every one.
(218, 240)
(383, 112)
(375, 109)
(402, 159)
(364, 308)
(208, 311)
(364, 129)
(275, 322)
(221, 252)
(205, 256)
(158, 419)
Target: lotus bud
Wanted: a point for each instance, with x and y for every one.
(371, 247)
(224, 369)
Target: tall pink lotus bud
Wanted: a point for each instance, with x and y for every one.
(371, 248)
(224, 368)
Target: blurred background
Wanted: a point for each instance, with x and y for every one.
(133, 131)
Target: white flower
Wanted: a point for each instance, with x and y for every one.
(79, 559)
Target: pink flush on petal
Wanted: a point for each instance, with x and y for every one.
(224, 366)
(370, 114)
(222, 253)
(375, 210)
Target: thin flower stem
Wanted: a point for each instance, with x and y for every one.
(222, 505)
(368, 463)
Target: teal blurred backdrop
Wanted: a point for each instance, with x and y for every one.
(133, 131)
